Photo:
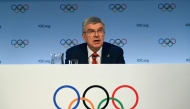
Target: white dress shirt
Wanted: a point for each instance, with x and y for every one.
(90, 52)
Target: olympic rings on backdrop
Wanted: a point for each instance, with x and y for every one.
(167, 42)
(166, 7)
(118, 7)
(20, 8)
(68, 7)
(68, 42)
(118, 42)
(19, 43)
(92, 106)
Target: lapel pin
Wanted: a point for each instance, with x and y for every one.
(108, 55)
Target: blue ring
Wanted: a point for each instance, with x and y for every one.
(160, 7)
(66, 86)
(12, 6)
(61, 7)
(110, 6)
(160, 42)
(12, 42)
(111, 40)
(61, 42)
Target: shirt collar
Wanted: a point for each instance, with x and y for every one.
(90, 52)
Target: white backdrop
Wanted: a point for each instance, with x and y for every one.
(34, 86)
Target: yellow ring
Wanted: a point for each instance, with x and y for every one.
(81, 99)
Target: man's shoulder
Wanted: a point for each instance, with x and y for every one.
(111, 46)
(77, 47)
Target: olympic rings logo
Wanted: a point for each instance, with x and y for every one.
(118, 42)
(68, 42)
(100, 103)
(118, 7)
(19, 43)
(20, 8)
(68, 7)
(188, 24)
(167, 42)
(166, 7)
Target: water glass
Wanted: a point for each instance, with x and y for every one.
(57, 58)
(73, 61)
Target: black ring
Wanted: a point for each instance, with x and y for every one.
(94, 86)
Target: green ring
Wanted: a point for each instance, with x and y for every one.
(115, 99)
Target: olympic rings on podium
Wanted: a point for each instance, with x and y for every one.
(89, 101)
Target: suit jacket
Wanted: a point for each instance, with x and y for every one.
(111, 54)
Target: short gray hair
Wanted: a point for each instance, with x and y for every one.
(91, 20)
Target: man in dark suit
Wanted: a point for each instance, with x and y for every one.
(95, 50)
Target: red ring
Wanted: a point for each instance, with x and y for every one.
(127, 86)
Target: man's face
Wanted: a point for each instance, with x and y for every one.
(94, 36)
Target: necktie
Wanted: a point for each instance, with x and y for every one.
(94, 55)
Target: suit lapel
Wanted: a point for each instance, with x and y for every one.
(105, 54)
(83, 56)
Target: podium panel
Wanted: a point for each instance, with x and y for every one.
(95, 86)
